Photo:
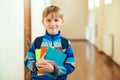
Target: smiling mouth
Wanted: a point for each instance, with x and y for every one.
(52, 28)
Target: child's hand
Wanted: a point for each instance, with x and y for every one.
(51, 62)
(44, 65)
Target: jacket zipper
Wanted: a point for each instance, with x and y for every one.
(52, 42)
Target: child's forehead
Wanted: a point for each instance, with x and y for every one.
(53, 15)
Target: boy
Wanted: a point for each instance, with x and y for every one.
(52, 19)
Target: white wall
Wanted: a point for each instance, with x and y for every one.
(75, 17)
(112, 26)
(37, 7)
(107, 19)
(11, 40)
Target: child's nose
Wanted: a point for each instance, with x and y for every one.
(53, 22)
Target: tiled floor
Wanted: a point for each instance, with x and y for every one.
(92, 65)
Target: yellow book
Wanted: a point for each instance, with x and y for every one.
(39, 53)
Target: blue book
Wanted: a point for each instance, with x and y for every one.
(56, 56)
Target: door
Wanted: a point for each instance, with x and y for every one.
(27, 34)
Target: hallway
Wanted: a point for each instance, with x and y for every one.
(92, 65)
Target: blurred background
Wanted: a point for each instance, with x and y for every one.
(87, 22)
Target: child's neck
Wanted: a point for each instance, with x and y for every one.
(52, 34)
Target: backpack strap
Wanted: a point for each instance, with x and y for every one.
(38, 42)
(64, 42)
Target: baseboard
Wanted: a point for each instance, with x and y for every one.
(110, 59)
(77, 39)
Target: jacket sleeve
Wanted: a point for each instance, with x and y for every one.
(30, 60)
(69, 65)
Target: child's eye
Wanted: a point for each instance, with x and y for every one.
(56, 20)
(48, 20)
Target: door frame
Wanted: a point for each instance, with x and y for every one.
(27, 34)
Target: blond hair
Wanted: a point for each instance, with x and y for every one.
(52, 9)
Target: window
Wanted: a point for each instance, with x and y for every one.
(93, 4)
(106, 2)
(97, 3)
(90, 4)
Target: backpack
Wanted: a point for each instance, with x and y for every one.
(38, 42)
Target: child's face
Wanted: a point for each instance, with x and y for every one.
(52, 23)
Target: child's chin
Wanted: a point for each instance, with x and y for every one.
(53, 32)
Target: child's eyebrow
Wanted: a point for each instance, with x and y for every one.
(52, 18)
(48, 18)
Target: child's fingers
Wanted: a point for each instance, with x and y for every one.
(51, 62)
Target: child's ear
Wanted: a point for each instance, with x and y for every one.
(43, 22)
(62, 21)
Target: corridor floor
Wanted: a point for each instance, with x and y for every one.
(92, 65)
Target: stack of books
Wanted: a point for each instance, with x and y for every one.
(52, 55)
(39, 54)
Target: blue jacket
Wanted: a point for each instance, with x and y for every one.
(60, 72)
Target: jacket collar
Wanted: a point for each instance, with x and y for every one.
(52, 37)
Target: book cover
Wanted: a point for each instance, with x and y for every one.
(52, 55)
(56, 56)
(39, 53)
